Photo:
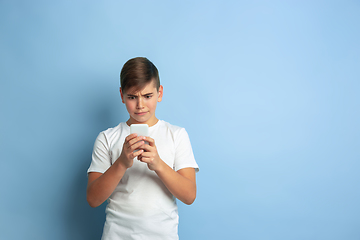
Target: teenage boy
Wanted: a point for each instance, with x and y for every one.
(141, 186)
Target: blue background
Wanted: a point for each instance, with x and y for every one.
(267, 90)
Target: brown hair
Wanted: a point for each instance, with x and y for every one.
(138, 72)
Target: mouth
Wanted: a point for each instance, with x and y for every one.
(140, 113)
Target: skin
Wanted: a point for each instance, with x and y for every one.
(141, 106)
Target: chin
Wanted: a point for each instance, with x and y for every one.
(140, 120)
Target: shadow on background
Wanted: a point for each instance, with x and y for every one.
(83, 221)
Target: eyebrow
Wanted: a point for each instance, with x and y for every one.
(146, 94)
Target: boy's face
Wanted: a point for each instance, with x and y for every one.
(141, 105)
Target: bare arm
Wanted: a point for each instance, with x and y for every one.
(101, 185)
(182, 184)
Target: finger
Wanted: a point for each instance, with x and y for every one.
(135, 140)
(137, 145)
(148, 156)
(147, 147)
(129, 137)
(143, 159)
(136, 154)
(150, 140)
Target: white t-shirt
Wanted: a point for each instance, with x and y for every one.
(141, 207)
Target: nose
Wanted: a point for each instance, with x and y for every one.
(140, 103)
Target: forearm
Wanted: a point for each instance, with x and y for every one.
(103, 186)
(181, 184)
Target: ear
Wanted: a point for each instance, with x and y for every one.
(122, 96)
(161, 92)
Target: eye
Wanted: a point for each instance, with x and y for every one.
(148, 96)
(131, 97)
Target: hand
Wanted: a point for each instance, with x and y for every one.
(131, 143)
(150, 155)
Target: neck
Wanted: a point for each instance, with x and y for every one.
(150, 122)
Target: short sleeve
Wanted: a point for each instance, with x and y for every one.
(101, 159)
(184, 156)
